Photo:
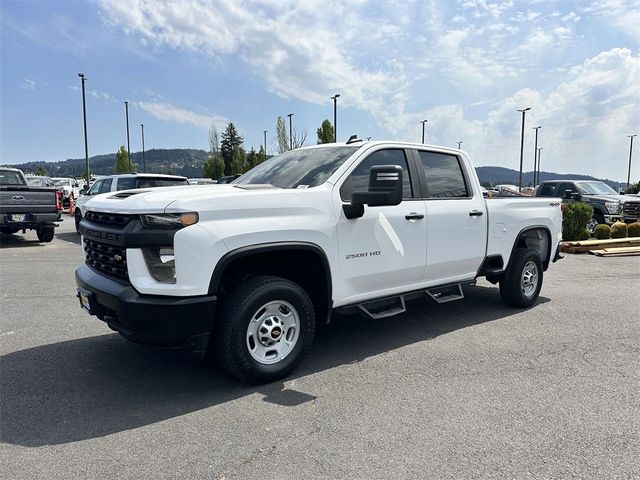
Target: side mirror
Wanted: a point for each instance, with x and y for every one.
(568, 195)
(385, 188)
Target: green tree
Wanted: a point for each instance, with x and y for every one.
(281, 136)
(262, 156)
(41, 171)
(252, 159)
(213, 166)
(325, 132)
(122, 161)
(633, 188)
(238, 164)
(229, 146)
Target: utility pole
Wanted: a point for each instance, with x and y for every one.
(423, 122)
(539, 154)
(126, 109)
(335, 117)
(84, 116)
(524, 110)
(630, 152)
(535, 154)
(290, 132)
(144, 164)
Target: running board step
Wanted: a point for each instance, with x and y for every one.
(446, 294)
(387, 307)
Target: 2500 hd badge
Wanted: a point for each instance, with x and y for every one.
(362, 254)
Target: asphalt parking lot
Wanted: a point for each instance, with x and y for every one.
(469, 389)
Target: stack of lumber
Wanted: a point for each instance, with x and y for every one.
(614, 246)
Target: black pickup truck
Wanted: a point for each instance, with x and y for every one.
(608, 205)
(24, 207)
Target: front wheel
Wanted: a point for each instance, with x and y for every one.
(45, 234)
(265, 328)
(521, 285)
(596, 220)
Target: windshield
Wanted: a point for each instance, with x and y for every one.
(595, 188)
(298, 168)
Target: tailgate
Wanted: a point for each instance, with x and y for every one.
(27, 200)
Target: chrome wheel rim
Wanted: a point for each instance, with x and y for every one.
(591, 226)
(529, 280)
(273, 332)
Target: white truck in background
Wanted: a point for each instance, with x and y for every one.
(248, 269)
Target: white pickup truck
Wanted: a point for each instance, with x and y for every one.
(248, 269)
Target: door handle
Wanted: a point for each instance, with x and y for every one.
(414, 216)
(475, 213)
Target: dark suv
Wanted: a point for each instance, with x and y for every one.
(608, 205)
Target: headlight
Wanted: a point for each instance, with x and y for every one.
(161, 264)
(612, 207)
(169, 220)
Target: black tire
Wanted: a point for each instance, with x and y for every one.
(512, 286)
(78, 218)
(229, 339)
(45, 234)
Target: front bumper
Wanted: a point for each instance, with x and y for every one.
(176, 322)
(611, 219)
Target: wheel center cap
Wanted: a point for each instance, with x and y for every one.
(275, 333)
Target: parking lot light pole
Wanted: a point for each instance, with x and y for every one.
(144, 164)
(524, 111)
(335, 117)
(126, 109)
(84, 117)
(290, 131)
(630, 152)
(459, 144)
(539, 153)
(265, 144)
(423, 122)
(535, 156)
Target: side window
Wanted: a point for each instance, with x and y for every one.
(95, 188)
(106, 185)
(359, 179)
(563, 187)
(126, 183)
(547, 190)
(444, 175)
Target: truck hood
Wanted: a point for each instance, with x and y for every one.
(181, 198)
(612, 198)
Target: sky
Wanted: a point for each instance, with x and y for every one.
(465, 66)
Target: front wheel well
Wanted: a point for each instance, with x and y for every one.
(307, 267)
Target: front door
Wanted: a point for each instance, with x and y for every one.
(383, 252)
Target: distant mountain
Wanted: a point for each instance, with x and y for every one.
(501, 175)
(179, 161)
(188, 162)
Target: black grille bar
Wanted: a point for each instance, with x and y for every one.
(108, 259)
(113, 219)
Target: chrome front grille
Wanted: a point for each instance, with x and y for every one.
(632, 209)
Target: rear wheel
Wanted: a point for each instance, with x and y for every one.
(522, 283)
(265, 327)
(45, 234)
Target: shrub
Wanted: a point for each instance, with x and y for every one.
(619, 230)
(584, 235)
(603, 231)
(633, 229)
(575, 217)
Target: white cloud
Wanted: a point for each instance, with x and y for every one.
(28, 84)
(171, 113)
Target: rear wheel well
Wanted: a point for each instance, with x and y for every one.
(538, 239)
(305, 267)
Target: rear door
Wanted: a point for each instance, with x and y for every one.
(384, 251)
(456, 218)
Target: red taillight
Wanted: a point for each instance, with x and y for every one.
(58, 200)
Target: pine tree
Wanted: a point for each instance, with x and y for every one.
(41, 171)
(231, 142)
(252, 159)
(262, 156)
(122, 161)
(325, 132)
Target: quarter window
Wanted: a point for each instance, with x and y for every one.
(444, 175)
(126, 183)
(358, 181)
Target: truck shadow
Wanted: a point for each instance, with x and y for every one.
(71, 237)
(92, 387)
(18, 240)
